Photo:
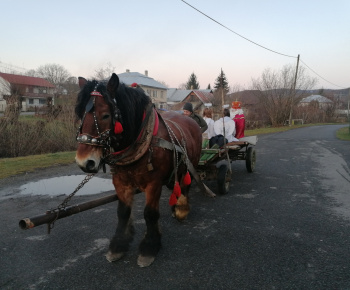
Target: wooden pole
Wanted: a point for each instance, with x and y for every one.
(293, 92)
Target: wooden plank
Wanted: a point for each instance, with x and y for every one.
(209, 154)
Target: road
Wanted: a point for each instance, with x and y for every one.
(285, 226)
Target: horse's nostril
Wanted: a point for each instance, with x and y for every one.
(90, 165)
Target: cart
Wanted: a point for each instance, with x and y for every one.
(215, 162)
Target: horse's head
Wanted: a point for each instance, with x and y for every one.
(110, 116)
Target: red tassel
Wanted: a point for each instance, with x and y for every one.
(173, 199)
(187, 179)
(118, 128)
(177, 189)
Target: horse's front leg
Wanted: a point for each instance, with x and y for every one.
(120, 242)
(151, 243)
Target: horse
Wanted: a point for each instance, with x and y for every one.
(144, 148)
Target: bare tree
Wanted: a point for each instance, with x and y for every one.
(182, 86)
(104, 73)
(163, 83)
(54, 73)
(277, 94)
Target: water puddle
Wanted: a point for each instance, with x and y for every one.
(66, 185)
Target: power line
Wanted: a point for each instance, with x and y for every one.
(236, 32)
(258, 44)
(321, 77)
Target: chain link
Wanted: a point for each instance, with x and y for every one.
(64, 203)
(69, 197)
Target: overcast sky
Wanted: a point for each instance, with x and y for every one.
(171, 40)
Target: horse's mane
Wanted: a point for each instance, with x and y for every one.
(131, 103)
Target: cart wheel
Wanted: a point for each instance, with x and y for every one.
(250, 159)
(223, 179)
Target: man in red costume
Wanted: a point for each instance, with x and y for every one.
(236, 113)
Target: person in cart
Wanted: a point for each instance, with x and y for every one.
(236, 113)
(224, 127)
(188, 111)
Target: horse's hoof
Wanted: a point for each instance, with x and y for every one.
(144, 261)
(182, 208)
(112, 257)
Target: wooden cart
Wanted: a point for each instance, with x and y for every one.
(215, 162)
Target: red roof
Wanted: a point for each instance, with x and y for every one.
(25, 80)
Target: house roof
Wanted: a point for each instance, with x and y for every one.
(205, 96)
(177, 95)
(318, 98)
(129, 78)
(25, 80)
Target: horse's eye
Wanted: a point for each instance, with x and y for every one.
(105, 116)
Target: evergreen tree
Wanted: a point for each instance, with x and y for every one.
(192, 83)
(221, 82)
(209, 88)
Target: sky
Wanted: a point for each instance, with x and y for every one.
(172, 40)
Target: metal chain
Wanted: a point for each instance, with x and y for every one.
(69, 197)
(66, 200)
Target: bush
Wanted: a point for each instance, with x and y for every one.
(33, 136)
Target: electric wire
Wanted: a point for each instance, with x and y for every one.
(236, 32)
(217, 22)
(321, 76)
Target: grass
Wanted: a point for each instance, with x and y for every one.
(18, 165)
(344, 133)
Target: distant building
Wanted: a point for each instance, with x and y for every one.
(177, 98)
(321, 100)
(35, 92)
(156, 91)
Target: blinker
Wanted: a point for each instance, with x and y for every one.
(90, 104)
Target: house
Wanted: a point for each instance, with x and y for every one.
(177, 98)
(156, 91)
(320, 100)
(35, 92)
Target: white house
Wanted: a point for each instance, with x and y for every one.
(154, 89)
(321, 100)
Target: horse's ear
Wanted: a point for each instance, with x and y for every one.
(81, 82)
(113, 83)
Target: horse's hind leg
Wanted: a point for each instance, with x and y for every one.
(119, 244)
(182, 207)
(151, 243)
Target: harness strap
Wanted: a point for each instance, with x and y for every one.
(162, 143)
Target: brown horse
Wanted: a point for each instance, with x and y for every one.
(144, 149)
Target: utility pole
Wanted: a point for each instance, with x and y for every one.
(348, 109)
(293, 92)
(222, 91)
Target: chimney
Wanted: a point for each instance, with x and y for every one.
(127, 70)
(146, 73)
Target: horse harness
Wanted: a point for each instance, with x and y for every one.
(145, 142)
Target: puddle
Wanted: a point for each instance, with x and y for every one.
(66, 185)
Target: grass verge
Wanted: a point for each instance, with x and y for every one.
(18, 165)
(344, 133)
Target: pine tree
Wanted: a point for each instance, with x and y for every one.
(192, 83)
(209, 88)
(221, 82)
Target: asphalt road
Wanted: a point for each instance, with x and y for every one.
(285, 226)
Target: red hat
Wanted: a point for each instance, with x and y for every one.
(236, 105)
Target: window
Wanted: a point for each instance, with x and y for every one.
(31, 101)
(42, 101)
